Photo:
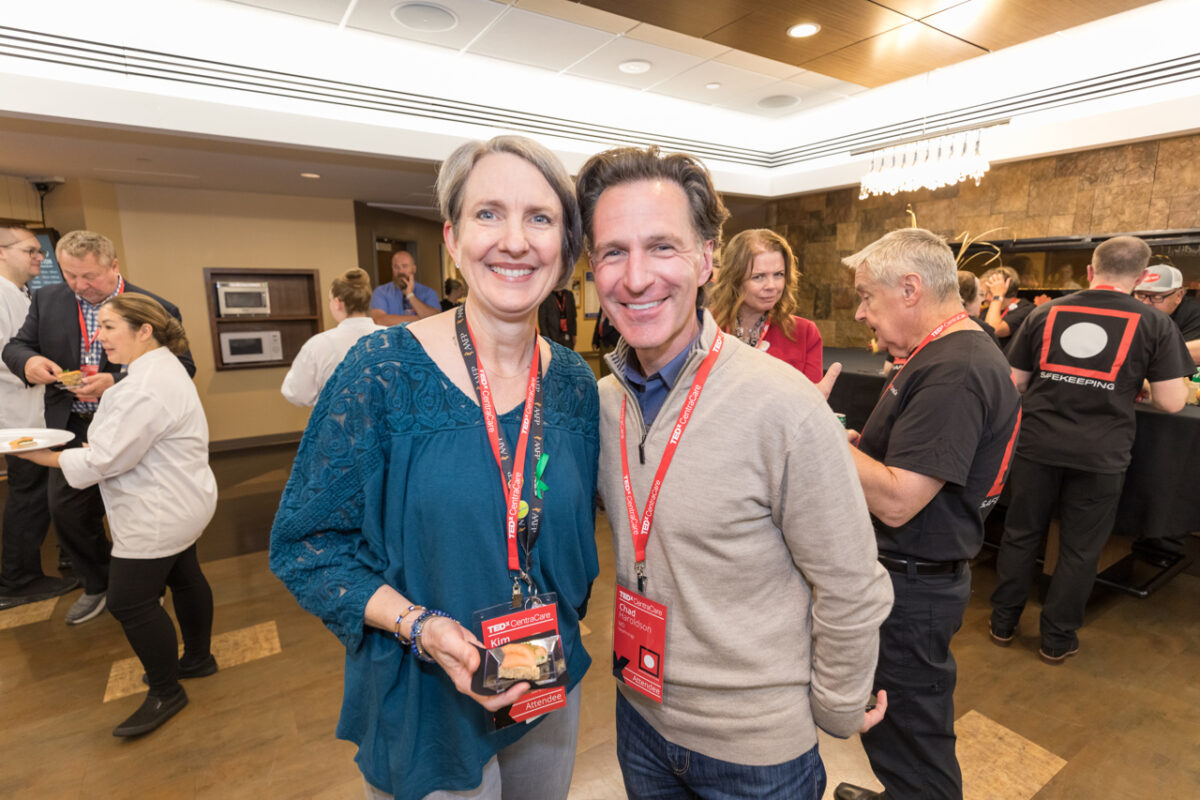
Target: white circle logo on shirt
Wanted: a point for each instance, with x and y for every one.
(1083, 339)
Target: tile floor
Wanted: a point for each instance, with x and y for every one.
(1117, 721)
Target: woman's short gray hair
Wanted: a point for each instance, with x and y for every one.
(906, 250)
(456, 169)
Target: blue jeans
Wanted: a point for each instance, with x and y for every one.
(655, 769)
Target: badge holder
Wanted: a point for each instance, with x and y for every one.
(521, 644)
(639, 642)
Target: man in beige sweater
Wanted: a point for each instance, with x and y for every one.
(748, 577)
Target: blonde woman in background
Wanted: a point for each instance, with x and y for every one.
(350, 305)
(148, 450)
(755, 295)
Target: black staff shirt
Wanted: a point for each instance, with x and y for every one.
(1088, 353)
(1187, 318)
(950, 414)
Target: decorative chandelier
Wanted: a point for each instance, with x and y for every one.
(925, 164)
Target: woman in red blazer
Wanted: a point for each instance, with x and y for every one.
(755, 295)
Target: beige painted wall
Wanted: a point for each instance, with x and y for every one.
(171, 235)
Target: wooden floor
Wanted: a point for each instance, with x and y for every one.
(1117, 721)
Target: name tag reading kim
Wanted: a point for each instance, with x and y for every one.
(639, 643)
(522, 645)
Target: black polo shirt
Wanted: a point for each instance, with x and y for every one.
(1187, 318)
(1089, 353)
(1014, 312)
(951, 414)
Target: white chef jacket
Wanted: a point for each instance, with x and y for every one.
(149, 453)
(21, 406)
(319, 357)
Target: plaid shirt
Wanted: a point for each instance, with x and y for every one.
(93, 354)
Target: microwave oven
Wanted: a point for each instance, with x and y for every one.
(243, 298)
(251, 347)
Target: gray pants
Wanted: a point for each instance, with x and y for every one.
(538, 766)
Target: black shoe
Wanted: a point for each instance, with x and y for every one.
(202, 670)
(1057, 655)
(153, 713)
(38, 589)
(848, 791)
(1001, 636)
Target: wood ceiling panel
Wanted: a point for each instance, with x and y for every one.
(1003, 23)
(693, 17)
(843, 22)
(900, 53)
(920, 8)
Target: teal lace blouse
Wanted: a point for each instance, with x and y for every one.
(395, 483)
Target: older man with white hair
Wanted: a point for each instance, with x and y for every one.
(932, 459)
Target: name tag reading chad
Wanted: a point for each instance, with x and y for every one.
(639, 643)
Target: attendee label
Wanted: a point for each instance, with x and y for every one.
(639, 643)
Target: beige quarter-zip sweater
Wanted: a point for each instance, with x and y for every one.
(763, 552)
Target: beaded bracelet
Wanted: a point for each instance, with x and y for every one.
(415, 634)
(400, 620)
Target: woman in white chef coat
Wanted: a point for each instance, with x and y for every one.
(148, 450)
(350, 305)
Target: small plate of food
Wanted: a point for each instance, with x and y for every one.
(26, 440)
(539, 661)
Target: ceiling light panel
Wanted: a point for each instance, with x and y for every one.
(538, 40)
(571, 11)
(652, 34)
(735, 83)
(604, 63)
(323, 10)
(473, 17)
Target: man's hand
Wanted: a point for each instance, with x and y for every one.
(405, 285)
(876, 714)
(40, 369)
(997, 286)
(852, 436)
(825, 385)
(91, 387)
(453, 647)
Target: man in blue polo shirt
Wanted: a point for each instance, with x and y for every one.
(403, 299)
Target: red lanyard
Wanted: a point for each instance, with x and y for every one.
(761, 344)
(929, 337)
(512, 487)
(87, 340)
(1106, 286)
(1009, 308)
(640, 530)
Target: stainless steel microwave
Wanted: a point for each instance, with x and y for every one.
(243, 298)
(251, 347)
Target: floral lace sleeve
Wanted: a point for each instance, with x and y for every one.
(318, 548)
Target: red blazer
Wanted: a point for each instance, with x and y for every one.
(803, 352)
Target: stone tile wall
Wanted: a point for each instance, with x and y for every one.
(1136, 187)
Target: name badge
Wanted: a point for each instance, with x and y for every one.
(639, 643)
(523, 645)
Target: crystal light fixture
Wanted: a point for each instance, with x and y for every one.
(925, 164)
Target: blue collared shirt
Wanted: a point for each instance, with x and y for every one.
(651, 392)
(391, 300)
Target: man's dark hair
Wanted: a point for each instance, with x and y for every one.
(631, 164)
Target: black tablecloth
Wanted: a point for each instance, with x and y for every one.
(1161, 498)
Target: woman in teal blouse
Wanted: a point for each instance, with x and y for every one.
(392, 528)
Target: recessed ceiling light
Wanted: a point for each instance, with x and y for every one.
(778, 101)
(634, 66)
(803, 30)
(713, 85)
(311, 175)
(425, 17)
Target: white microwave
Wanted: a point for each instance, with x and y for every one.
(243, 298)
(251, 347)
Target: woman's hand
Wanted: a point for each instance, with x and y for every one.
(453, 647)
(997, 286)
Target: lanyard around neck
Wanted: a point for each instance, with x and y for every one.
(929, 337)
(83, 330)
(512, 470)
(640, 528)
